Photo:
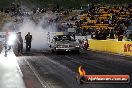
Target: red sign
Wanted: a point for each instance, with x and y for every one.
(127, 47)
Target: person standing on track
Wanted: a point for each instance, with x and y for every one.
(28, 39)
(19, 43)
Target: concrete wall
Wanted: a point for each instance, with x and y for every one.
(120, 47)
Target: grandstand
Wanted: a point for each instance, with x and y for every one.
(104, 16)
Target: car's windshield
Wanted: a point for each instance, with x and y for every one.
(64, 38)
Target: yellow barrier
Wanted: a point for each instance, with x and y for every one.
(120, 47)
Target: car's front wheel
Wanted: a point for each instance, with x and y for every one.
(55, 51)
(52, 51)
(77, 52)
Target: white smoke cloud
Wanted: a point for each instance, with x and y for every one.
(8, 26)
(38, 30)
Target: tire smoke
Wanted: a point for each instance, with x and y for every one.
(38, 30)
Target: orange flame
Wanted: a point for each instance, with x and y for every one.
(81, 71)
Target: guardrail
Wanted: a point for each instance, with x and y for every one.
(120, 47)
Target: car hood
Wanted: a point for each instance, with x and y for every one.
(66, 43)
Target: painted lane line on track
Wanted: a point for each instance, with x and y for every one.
(20, 72)
(43, 83)
(67, 70)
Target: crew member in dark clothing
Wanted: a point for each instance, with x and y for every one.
(19, 43)
(28, 39)
(86, 45)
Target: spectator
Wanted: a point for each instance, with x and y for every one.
(84, 31)
(120, 34)
(112, 34)
(102, 20)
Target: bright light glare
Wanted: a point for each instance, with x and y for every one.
(11, 39)
(10, 60)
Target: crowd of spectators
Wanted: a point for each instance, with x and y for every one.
(101, 22)
(15, 9)
(104, 22)
(16, 14)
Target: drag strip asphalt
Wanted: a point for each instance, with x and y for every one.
(60, 71)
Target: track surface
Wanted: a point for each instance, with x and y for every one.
(59, 71)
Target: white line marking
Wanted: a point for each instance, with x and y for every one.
(20, 72)
(44, 84)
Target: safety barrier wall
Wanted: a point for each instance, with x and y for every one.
(120, 47)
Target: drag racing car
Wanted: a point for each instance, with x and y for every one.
(64, 43)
